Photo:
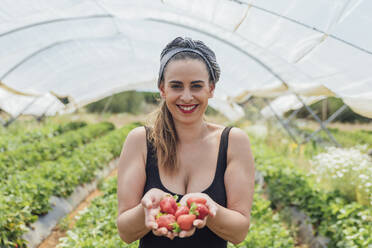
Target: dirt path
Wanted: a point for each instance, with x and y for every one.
(52, 240)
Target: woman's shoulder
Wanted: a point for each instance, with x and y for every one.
(137, 136)
(137, 132)
(238, 137)
(235, 133)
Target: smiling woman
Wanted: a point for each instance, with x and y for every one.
(185, 156)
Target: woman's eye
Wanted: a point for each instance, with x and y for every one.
(175, 86)
(197, 86)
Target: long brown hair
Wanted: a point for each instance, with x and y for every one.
(164, 138)
(163, 135)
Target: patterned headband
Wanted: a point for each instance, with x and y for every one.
(165, 59)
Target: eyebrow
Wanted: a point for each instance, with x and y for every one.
(179, 82)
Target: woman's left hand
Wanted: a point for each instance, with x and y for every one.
(212, 206)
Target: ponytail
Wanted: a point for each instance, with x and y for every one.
(164, 138)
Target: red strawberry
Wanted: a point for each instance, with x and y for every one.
(196, 200)
(166, 220)
(185, 221)
(182, 210)
(168, 204)
(202, 210)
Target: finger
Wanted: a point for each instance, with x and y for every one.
(156, 232)
(188, 233)
(183, 200)
(151, 224)
(146, 202)
(199, 223)
(212, 210)
(150, 221)
(171, 235)
(160, 231)
(164, 231)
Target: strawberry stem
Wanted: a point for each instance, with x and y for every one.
(176, 227)
(175, 197)
(193, 209)
(159, 214)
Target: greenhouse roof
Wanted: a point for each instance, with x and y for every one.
(90, 49)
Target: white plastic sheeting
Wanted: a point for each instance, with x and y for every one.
(89, 49)
(288, 102)
(16, 104)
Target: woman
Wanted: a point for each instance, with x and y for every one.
(184, 155)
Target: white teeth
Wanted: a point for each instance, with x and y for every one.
(187, 108)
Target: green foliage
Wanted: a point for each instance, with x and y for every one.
(13, 140)
(347, 224)
(64, 223)
(128, 101)
(30, 155)
(19, 127)
(266, 229)
(348, 170)
(211, 111)
(96, 225)
(347, 138)
(26, 194)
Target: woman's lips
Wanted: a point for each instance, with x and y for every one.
(187, 109)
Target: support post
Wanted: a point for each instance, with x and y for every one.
(39, 118)
(12, 119)
(330, 119)
(318, 120)
(286, 127)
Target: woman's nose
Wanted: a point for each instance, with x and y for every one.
(186, 95)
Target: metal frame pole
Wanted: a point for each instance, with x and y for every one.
(286, 127)
(330, 119)
(12, 119)
(39, 118)
(318, 120)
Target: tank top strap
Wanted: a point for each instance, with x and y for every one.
(222, 153)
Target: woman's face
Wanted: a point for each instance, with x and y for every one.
(186, 89)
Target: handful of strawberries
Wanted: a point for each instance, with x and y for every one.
(176, 218)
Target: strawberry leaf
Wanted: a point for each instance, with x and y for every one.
(159, 214)
(193, 209)
(176, 227)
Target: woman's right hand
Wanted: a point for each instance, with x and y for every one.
(151, 204)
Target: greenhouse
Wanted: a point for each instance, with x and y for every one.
(295, 77)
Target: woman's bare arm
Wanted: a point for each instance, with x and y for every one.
(232, 223)
(131, 182)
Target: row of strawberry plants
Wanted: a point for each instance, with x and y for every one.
(267, 228)
(347, 138)
(96, 225)
(27, 194)
(11, 142)
(30, 155)
(20, 126)
(347, 224)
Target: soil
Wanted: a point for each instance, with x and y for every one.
(53, 239)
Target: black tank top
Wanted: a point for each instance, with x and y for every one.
(202, 237)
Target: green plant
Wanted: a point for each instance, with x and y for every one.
(30, 155)
(288, 186)
(26, 194)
